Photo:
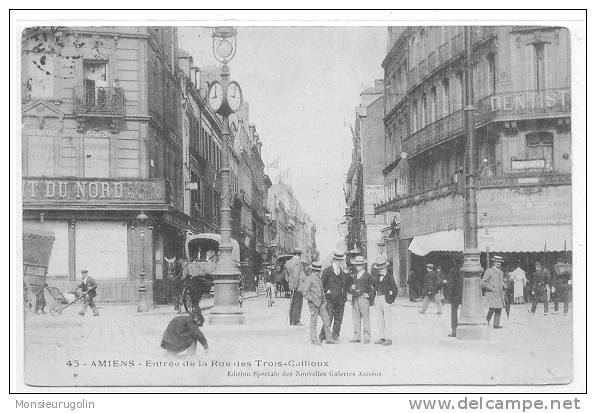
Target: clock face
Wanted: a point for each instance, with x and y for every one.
(215, 96)
(234, 96)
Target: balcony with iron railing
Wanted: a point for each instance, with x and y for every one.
(444, 128)
(99, 101)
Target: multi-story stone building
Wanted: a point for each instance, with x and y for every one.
(521, 93)
(102, 141)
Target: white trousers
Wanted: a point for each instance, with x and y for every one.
(383, 317)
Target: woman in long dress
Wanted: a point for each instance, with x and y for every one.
(519, 281)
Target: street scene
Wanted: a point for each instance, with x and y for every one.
(297, 206)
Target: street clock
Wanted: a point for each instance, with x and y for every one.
(225, 99)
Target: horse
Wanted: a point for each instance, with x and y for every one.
(175, 281)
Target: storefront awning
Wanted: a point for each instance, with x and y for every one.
(529, 238)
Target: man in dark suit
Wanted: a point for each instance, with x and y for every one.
(89, 286)
(456, 288)
(432, 284)
(296, 277)
(385, 294)
(336, 284)
(183, 333)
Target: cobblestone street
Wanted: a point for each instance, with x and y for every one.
(122, 347)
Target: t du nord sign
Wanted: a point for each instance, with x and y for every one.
(93, 191)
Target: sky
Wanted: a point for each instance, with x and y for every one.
(302, 85)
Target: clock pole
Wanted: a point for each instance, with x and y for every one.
(226, 307)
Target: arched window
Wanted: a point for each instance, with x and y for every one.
(413, 52)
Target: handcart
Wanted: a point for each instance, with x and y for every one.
(61, 301)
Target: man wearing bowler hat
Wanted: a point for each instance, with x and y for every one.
(89, 286)
(336, 284)
(494, 287)
(361, 290)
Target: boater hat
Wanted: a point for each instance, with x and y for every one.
(359, 260)
(497, 258)
(297, 251)
(381, 264)
(430, 265)
(339, 256)
(84, 271)
(316, 266)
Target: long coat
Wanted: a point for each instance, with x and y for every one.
(180, 334)
(492, 282)
(519, 281)
(337, 285)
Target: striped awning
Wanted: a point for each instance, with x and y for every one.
(528, 238)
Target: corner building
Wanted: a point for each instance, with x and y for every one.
(521, 92)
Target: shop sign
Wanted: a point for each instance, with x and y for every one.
(93, 191)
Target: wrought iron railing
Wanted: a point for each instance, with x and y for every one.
(443, 128)
(99, 101)
(523, 105)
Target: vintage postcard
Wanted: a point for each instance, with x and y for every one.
(291, 205)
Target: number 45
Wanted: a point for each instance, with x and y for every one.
(72, 363)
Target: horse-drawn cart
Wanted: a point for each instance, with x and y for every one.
(37, 250)
(202, 260)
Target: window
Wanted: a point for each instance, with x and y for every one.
(95, 82)
(476, 92)
(460, 90)
(539, 66)
(492, 79)
(424, 117)
(540, 146)
(38, 76)
(96, 158)
(446, 98)
(40, 156)
(413, 55)
(414, 125)
(433, 105)
(69, 157)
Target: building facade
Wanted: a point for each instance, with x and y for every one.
(364, 180)
(114, 124)
(101, 143)
(290, 227)
(521, 94)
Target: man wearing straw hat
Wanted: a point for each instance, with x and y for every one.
(361, 293)
(314, 294)
(494, 287)
(386, 292)
(336, 284)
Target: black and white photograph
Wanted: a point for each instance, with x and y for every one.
(232, 204)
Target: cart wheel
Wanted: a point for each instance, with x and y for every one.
(190, 303)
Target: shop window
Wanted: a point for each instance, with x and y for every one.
(40, 156)
(96, 158)
(540, 147)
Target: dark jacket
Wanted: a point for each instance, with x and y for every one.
(455, 285)
(540, 285)
(362, 285)
(180, 334)
(269, 277)
(337, 285)
(432, 283)
(89, 285)
(386, 287)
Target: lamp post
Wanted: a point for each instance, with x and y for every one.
(225, 98)
(142, 307)
(472, 324)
